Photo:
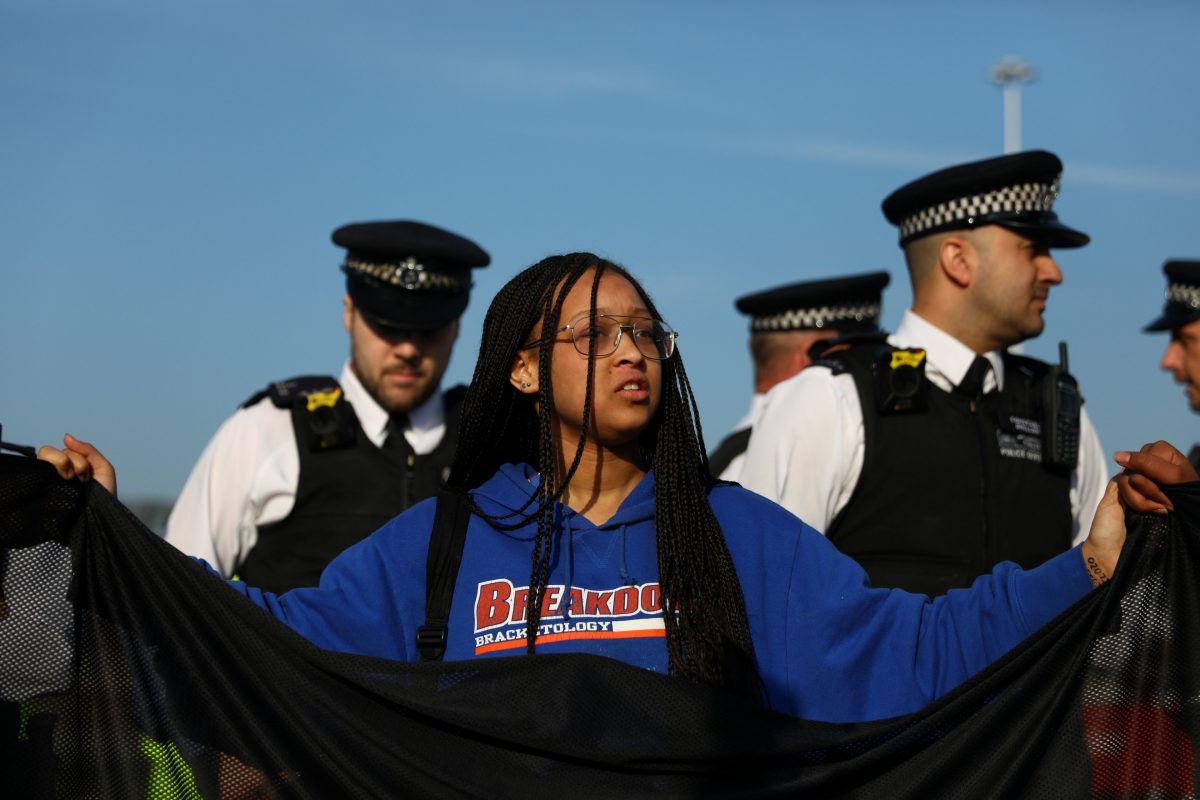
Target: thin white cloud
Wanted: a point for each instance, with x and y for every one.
(525, 76)
(1149, 180)
(868, 155)
(855, 155)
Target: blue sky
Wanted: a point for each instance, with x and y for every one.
(171, 172)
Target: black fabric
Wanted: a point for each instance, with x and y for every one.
(730, 448)
(343, 495)
(167, 684)
(960, 481)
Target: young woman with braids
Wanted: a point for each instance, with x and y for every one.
(595, 528)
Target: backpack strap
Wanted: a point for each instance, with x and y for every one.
(446, 543)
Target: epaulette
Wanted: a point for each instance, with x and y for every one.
(284, 393)
(330, 423)
(1029, 367)
(890, 379)
(453, 397)
(825, 352)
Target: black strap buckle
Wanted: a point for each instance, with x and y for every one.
(431, 641)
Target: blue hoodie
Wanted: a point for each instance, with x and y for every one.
(829, 647)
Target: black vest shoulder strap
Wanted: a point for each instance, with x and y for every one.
(446, 543)
(730, 448)
(324, 420)
(284, 393)
(1029, 368)
(453, 397)
(858, 361)
(452, 403)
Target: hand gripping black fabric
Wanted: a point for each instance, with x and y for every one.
(441, 571)
(126, 671)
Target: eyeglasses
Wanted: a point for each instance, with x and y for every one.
(653, 338)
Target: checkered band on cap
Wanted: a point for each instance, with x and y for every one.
(1184, 294)
(408, 274)
(799, 319)
(1018, 199)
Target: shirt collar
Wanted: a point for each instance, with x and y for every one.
(756, 404)
(947, 359)
(374, 418)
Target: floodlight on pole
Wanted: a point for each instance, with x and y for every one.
(1010, 72)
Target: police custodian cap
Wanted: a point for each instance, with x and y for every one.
(1015, 191)
(1183, 296)
(408, 274)
(852, 303)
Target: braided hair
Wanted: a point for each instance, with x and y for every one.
(704, 610)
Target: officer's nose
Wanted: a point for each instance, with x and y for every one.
(1172, 360)
(406, 348)
(1049, 271)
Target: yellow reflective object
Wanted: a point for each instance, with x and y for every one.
(318, 399)
(907, 358)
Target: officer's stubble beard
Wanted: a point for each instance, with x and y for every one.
(989, 312)
(373, 357)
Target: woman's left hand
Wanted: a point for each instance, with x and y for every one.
(1138, 488)
(79, 459)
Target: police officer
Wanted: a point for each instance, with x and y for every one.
(311, 465)
(1181, 317)
(785, 323)
(934, 454)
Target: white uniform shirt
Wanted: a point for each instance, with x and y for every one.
(248, 474)
(806, 451)
(734, 469)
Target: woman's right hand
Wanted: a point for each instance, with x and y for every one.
(79, 459)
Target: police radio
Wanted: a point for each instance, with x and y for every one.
(1061, 403)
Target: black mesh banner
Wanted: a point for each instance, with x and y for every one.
(126, 671)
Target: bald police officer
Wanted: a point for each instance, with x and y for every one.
(785, 323)
(311, 465)
(934, 454)
(1181, 317)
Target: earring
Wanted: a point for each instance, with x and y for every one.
(524, 385)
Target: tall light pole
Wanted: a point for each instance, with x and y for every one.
(1010, 72)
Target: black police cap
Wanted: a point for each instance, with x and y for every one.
(852, 303)
(1015, 191)
(408, 274)
(1182, 295)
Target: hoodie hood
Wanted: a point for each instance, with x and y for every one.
(513, 484)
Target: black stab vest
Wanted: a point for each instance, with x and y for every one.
(949, 491)
(730, 448)
(347, 489)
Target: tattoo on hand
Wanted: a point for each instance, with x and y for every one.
(1099, 576)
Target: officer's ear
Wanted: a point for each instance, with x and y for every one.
(347, 312)
(956, 256)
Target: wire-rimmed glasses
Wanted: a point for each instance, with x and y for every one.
(653, 338)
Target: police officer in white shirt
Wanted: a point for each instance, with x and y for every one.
(311, 465)
(785, 323)
(934, 454)
(1181, 318)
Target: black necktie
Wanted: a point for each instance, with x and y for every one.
(972, 383)
(395, 432)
